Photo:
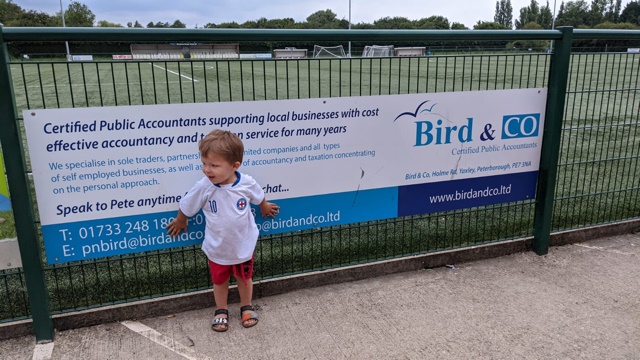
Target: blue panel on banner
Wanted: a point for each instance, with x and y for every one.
(5, 203)
(331, 209)
(465, 193)
(90, 239)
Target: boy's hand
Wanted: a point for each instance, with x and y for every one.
(177, 225)
(269, 209)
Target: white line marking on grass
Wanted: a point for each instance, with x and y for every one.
(165, 341)
(173, 72)
(105, 86)
(43, 351)
(603, 249)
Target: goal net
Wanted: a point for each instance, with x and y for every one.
(328, 51)
(377, 51)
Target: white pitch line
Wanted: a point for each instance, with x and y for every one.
(105, 86)
(604, 249)
(173, 72)
(43, 351)
(167, 342)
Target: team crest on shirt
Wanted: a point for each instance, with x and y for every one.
(241, 204)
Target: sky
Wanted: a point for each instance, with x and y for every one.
(200, 12)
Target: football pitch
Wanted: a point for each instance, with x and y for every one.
(111, 83)
(46, 84)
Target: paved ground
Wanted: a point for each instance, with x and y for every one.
(578, 302)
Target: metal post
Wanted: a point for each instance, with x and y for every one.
(66, 43)
(545, 193)
(349, 27)
(21, 202)
(553, 24)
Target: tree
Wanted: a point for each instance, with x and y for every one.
(178, 24)
(617, 26)
(134, 25)
(322, 19)
(228, 25)
(545, 18)
(538, 45)
(397, 22)
(158, 25)
(489, 25)
(613, 11)
(432, 22)
(458, 26)
(78, 15)
(33, 18)
(362, 26)
(573, 13)
(9, 11)
(631, 13)
(504, 13)
(105, 23)
(597, 12)
(528, 14)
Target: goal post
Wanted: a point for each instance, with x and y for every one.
(378, 51)
(328, 51)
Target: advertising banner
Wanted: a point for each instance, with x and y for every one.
(108, 180)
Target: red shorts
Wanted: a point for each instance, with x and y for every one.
(221, 273)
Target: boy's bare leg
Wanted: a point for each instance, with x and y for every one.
(221, 295)
(245, 290)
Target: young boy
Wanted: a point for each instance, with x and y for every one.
(231, 233)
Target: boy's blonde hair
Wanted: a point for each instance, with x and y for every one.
(223, 143)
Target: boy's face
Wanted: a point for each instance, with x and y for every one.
(219, 170)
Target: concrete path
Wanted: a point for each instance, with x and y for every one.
(580, 301)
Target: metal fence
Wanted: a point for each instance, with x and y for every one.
(589, 172)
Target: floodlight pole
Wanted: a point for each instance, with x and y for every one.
(66, 43)
(349, 27)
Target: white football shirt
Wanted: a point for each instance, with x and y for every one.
(231, 232)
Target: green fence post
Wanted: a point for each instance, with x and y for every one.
(545, 193)
(18, 182)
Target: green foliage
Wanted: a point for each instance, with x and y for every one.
(323, 19)
(79, 15)
(178, 24)
(458, 26)
(528, 14)
(545, 18)
(432, 22)
(397, 22)
(534, 45)
(574, 13)
(631, 13)
(105, 23)
(134, 25)
(617, 26)
(9, 11)
(534, 13)
(7, 225)
(34, 18)
(504, 13)
(489, 25)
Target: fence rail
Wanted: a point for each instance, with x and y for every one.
(589, 173)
